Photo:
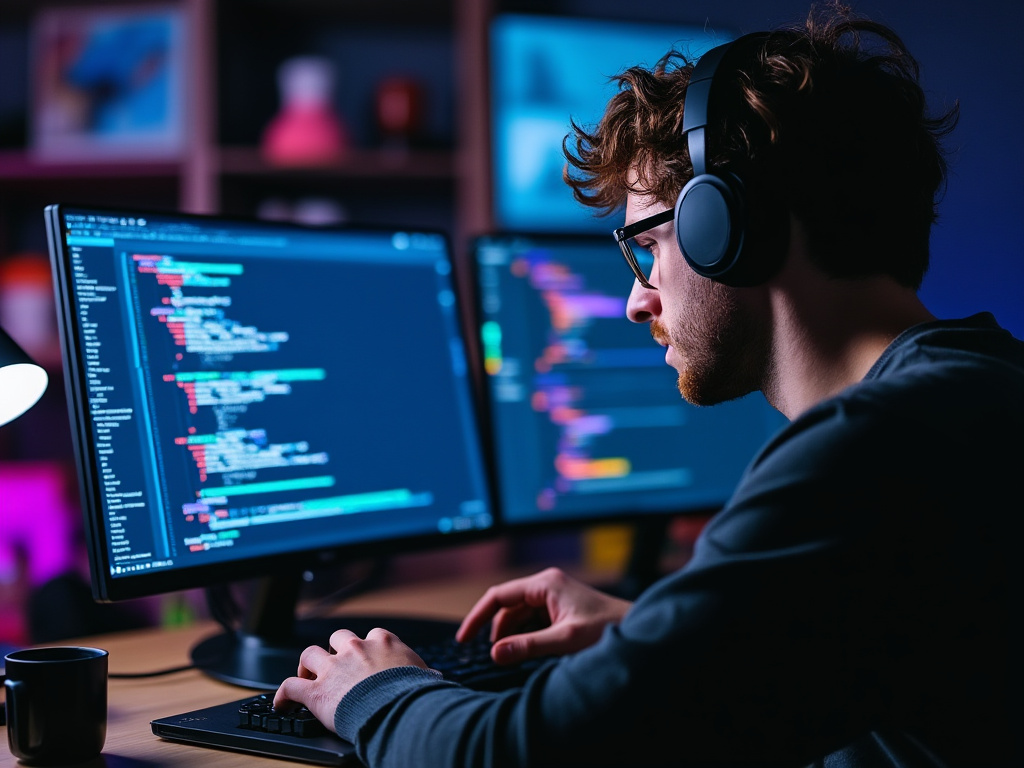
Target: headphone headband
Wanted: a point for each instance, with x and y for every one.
(698, 96)
(696, 110)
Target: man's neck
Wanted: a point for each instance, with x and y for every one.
(828, 333)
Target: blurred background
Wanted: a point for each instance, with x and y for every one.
(433, 113)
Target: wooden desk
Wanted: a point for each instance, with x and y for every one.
(133, 703)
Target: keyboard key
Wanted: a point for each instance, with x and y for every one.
(258, 714)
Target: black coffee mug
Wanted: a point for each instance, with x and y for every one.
(56, 704)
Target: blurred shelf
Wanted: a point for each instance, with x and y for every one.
(408, 12)
(234, 51)
(356, 164)
(19, 165)
(16, 165)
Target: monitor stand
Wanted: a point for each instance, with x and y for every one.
(643, 567)
(266, 648)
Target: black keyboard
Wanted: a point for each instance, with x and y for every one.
(252, 725)
(470, 663)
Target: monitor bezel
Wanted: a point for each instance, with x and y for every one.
(105, 588)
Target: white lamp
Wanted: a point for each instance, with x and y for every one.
(22, 382)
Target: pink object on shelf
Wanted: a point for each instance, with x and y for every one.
(306, 131)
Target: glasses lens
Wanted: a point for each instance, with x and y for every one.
(644, 258)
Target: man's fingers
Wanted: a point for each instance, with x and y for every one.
(513, 620)
(291, 693)
(379, 633)
(507, 595)
(340, 637)
(477, 617)
(550, 641)
(311, 662)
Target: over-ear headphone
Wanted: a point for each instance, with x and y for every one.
(723, 234)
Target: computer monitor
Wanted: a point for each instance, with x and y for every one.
(544, 71)
(255, 399)
(586, 423)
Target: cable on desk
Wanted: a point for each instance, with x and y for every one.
(155, 673)
(133, 675)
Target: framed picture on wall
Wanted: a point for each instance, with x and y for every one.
(108, 83)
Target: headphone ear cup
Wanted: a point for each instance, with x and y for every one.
(725, 238)
(710, 220)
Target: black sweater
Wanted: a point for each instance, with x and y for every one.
(860, 595)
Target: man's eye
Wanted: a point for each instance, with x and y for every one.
(644, 256)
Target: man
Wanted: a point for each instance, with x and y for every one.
(858, 600)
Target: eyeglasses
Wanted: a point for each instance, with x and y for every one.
(623, 235)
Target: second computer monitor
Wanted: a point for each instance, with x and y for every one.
(586, 420)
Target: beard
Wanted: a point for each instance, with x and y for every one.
(721, 348)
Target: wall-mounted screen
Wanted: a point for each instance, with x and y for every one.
(546, 70)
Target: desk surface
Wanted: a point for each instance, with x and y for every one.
(133, 703)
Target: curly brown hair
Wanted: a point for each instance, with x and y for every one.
(826, 118)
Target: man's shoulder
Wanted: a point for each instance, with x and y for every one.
(975, 345)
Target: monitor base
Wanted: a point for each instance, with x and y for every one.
(253, 661)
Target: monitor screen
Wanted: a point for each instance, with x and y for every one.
(546, 70)
(586, 420)
(250, 398)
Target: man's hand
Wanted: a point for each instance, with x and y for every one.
(571, 615)
(325, 677)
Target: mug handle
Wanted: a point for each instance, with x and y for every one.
(17, 727)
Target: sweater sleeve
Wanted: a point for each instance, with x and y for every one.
(374, 693)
